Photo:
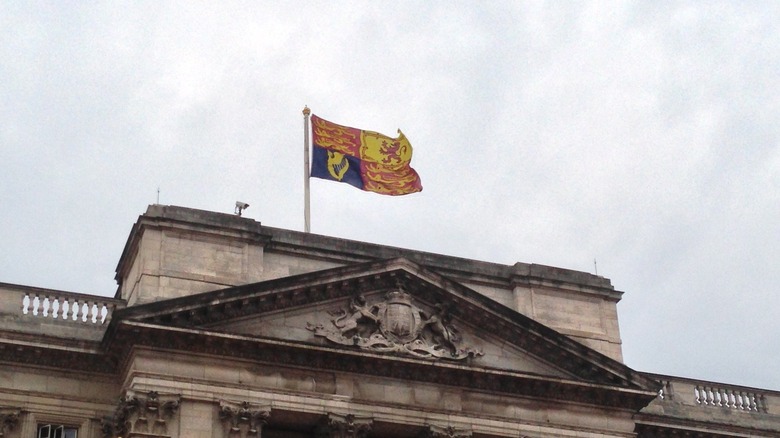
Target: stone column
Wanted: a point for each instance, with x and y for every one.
(344, 426)
(243, 420)
(9, 418)
(433, 431)
(142, 415)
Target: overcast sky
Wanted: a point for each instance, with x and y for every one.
(644, 135)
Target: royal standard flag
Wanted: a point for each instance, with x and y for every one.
(367, 160)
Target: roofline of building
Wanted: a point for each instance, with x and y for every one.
(326, 247)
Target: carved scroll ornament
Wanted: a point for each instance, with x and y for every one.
(396, 325)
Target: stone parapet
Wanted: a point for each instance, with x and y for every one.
(55, 313)
(692, 404)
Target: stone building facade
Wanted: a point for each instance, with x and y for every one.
(222, 327)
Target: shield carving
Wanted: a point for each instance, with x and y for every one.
(399, 320)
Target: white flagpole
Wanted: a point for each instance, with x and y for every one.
(306, 208)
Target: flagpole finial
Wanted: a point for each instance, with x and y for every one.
(306, 110)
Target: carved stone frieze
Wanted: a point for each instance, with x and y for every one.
(433, 431)
(142, 414)
(9, 418)
(244, 419)
(396, 325)
(344, 426)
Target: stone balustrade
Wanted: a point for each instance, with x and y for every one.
(705, 394)
(66, 308)
(730, 398)
(57, 305)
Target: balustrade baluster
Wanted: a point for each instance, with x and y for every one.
(704, 396)
(84, 311)
(732, 401)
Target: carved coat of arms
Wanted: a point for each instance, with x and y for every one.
(395, 325)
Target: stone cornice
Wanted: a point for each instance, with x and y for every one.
(467, 305)
(663, 427)
(181, 324)
(272, 351)
(73, 357)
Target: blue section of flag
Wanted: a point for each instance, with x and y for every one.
(335, 166)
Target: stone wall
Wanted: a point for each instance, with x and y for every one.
(300, 398)
(68, 398)
(176, 251)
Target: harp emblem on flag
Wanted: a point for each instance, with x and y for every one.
(337, 165)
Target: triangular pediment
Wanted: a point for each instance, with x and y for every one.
(387, 315)
(395, 323)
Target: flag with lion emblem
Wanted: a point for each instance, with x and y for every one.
(367, 160)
